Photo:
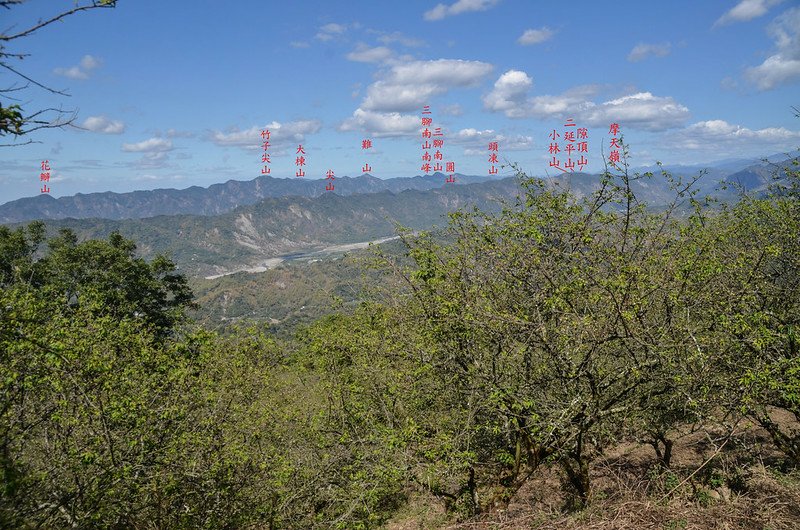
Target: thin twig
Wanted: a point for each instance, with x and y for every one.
(59, 92)
(54, 19)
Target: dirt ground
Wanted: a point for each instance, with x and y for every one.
(715, 481)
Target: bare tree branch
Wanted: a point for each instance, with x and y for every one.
(22, 143)
(13, 88)
(60, 93)
(40, 25)
(12, 120)
(17, 55)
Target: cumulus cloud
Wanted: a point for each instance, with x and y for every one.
(535, 36)
(155, 153)
(472, 134)
(407, 86)
(381, 124)
(642, 51)
(82, 70)
(569, 104)
(783, 66)
(643, 110)
(746, 10)
(410, 85)
(281, 134)
(509, 94)
(366, 54)
(151, 145)
(441, 11)
(721, 136)
(102, 124)
(476, 142)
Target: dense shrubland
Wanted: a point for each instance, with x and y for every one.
(533, 340)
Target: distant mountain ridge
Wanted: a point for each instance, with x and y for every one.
(276, 226)
(213, 200)
(221, 198)
(246, 235)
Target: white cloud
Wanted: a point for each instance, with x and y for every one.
(569, 104)
(518, 142)
(365, 54)
(409, 86)
(471, 134)
(73, 72)
(535, 36)
(152, 160)
(299, 44)
(509, 94)
(639, 111)
(776, 70)
(721, 136)
(152, 145)
(90, 63)
(642, 110)
(783, 66)
(331, 31)
(388, 97)
(145, 178)
(476, 142)
(101, 124)
(281, 134)
(58, 176)
(381, 124)
(81, 71)
(460, 6)
(746, 10)
(641, 51)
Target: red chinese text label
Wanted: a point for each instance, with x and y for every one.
(575, 142)
(44, 176)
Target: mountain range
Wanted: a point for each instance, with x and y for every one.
(221, 198)
(242, 225)
(213, 200)
(248, 235)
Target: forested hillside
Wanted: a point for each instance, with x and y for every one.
(249, 235)
(561, 362)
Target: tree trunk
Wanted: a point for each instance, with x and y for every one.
(577, 471)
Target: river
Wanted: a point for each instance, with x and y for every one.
(271, 263)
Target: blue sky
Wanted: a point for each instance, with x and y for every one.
(174, 94)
